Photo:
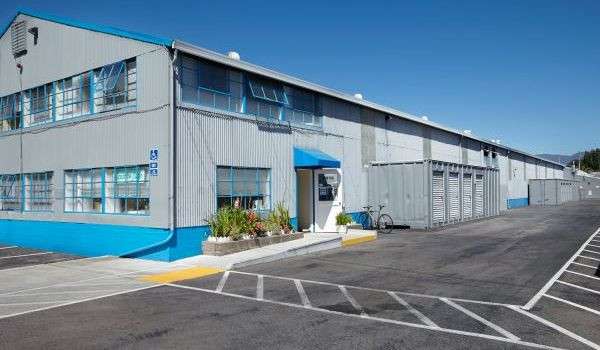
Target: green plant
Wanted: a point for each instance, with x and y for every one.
(229, 222)
(343, 219)
(282, 215)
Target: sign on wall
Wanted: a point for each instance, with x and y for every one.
(153, 162)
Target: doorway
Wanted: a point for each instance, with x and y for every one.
(320, 199)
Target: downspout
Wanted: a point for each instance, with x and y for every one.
(172, 170)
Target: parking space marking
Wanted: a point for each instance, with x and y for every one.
(413, 311)
(595, 246)
(352, 301)
(474, 316)
(371, 318)
(556, 276)
(588, 257)
(583, 274)
(260, 287)
(579, 287)
(180, 275)
(24, 255)
(222, 281)
(302, 293)
(11, 247)
(556, 327)
(591, 251)
(585, 265)
(579, 306)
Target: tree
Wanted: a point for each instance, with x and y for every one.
(591, 160)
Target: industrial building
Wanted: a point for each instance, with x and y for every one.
(122, 143)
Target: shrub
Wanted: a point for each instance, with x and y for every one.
(343, 219)
(229, 222)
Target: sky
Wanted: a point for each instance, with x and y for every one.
(525, 72)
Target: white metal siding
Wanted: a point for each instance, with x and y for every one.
(439, 197)
(454, 196)
(467, 196)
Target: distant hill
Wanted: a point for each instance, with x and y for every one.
(561, 158)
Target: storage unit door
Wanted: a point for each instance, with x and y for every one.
(467, 196)
(439, 197)
(454, 196)
(478, 195)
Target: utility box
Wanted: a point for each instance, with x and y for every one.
(428, 193)
(553, 191)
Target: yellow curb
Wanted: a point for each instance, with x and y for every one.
(358, 240)
(180, 275)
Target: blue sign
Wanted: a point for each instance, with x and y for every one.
(154, 154)
(153, 172)
(153, 165)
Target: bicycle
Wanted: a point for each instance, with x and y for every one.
(383, 223)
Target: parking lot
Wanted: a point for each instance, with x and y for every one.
(527, 279)
(12, 256)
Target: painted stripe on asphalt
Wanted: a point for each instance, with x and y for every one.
(548, 285)
(24, 255)
(35, 303)
(595, 246)
(377, 290)
(260, 287)
(413, 311)
(556, 327)
(583, 274)
(585, 265)
(371, 318)
(11, 247)
(78, 301)
(588, 257)
(474, 316)
(302, 293)
(181, 275)
(591, 251)
(222, 282)
(579, 287)
(61, 293)
(573, 304)
(352, 301)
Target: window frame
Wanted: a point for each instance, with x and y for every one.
(232, 194)
(18, 189)
(47, 186)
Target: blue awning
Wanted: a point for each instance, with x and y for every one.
(313, 159)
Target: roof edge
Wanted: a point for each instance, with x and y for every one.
(147, 38)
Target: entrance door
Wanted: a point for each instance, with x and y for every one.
(328, 199)
(438, 197)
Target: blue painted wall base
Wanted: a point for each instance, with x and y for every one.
(96, 240)
(517, 203)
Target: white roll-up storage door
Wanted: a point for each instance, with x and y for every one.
(478, 195)
(467, 196)
(454, 196)
(439, 197)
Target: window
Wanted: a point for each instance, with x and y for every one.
(10, 112)
(302, 107)
(211, 85)
(269, 91)
(38, 105)
(83, 191)
(121, 190)
(10, 192)
(72, 97)
(115, 86)
(38, 191)
(250, 186)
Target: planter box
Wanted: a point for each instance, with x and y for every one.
(224, 248)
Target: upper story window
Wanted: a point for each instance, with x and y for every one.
(302, 107)
(104, 89)
(268, 91)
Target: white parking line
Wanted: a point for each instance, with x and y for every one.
(595, 246)
(371, 318)
(302, 293)
(573, 304)
(11, 247)
(352, 301)
(588, 257)
(413, 311)
(474, 316)
(556, 327)
(24, 255)
(61, 293)
(583, 274)
(591, 251)
(222, 282)
(585, 265)
(579, 287)
(554, 278)
(260, 287)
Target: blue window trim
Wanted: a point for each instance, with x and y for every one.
(232, 194)
(16, 197)
(50, 96)
(47, 184)
(103, 195)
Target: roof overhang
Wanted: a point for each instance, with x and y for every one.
(313, 159)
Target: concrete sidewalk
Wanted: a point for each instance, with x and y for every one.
(311, 243)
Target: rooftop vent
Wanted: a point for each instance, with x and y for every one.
(234, 55)
(425, 117)
(467, 132)
(18, 37)
(358, 96)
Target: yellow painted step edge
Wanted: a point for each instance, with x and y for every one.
(181, 275)
(358, 240)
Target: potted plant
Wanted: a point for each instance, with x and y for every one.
(342, 220)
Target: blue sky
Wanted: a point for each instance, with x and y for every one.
(524, 72)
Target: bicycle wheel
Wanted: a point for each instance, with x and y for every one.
(385, 224)
(364, 219)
